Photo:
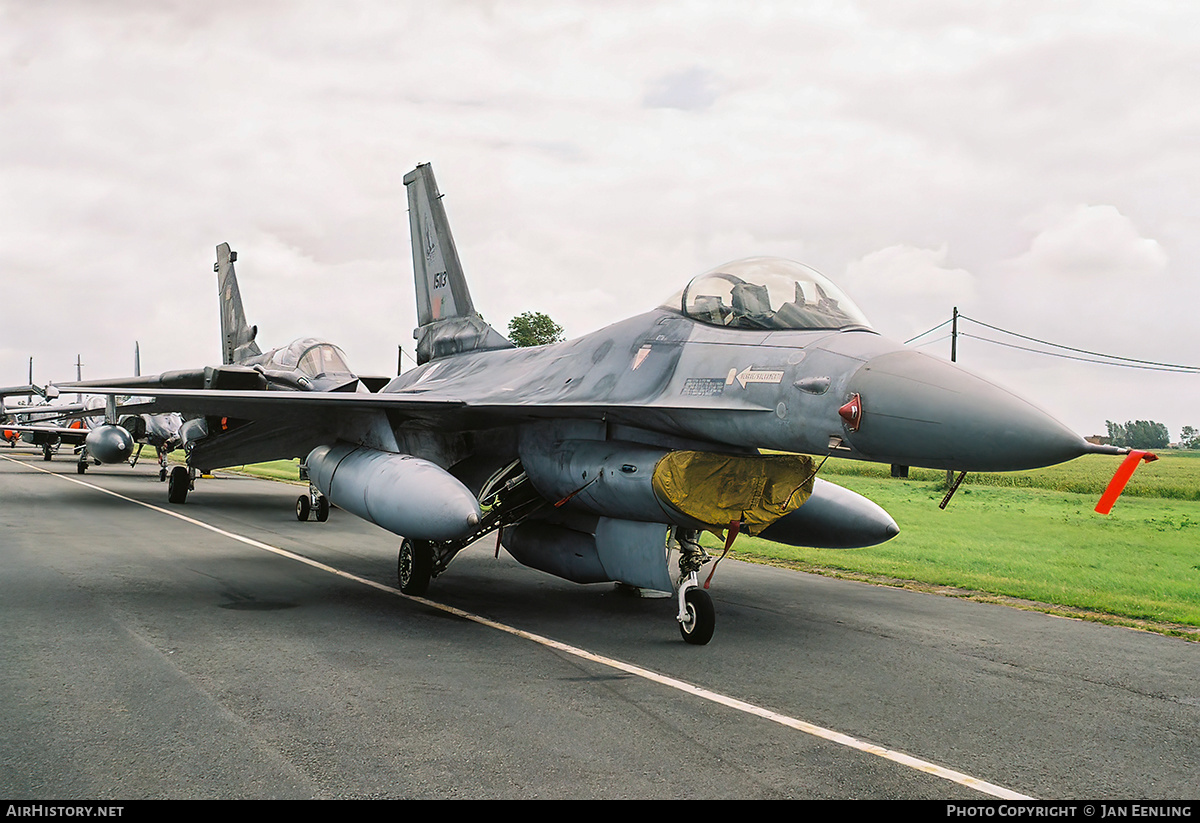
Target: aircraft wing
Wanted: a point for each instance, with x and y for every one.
(65, 434)
(231, 376)
(430, 407)
(19, 391)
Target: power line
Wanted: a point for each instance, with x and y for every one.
(931, 342)
(927, 331)
(1132, 362)
(1135, 365)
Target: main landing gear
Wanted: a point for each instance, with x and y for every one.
(314, 501)
(697, 617)
(179, 483)
(414, 567)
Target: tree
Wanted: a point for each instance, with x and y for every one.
(1189, 438)
(1138, 434)
(534, 329)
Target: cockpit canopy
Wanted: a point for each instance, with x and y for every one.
(767, 293)
(311, 357)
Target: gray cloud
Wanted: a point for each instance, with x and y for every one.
(692, 89)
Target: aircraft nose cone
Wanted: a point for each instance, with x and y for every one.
(917, 410)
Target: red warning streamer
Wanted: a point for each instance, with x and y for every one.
(734, 527)
(1117, 484)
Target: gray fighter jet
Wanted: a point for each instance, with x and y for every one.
(216, 440)
(102, 432)
(597, 457)
(111, 438)
(25, 412)
(42, 422)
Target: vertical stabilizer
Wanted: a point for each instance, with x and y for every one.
(447, 320)
(441, 286)
(237, 337)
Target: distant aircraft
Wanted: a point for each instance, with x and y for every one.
(595, 456)
(51, 426)
(17, 413)
(101, 432)
(39, 422)
(217, 440)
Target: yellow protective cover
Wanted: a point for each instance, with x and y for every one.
(718, 488)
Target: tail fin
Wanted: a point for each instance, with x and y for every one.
(441, 287)
(447, 320)
(237, 337)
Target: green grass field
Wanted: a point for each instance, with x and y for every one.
(1026, 536)
(1033, 536)
(275, 470)
(1176, 475)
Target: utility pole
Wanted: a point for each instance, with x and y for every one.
(954, 336)
(953, 359)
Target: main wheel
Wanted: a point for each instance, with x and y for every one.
(415, 566)
(162, 475)
(81, 467)
(322, 509)
(46, 452)
(302, 507)
(177, 484)
(697, 628)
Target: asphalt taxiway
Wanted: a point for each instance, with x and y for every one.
(241, 653)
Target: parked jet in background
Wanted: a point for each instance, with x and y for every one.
(18, 412)
(40, 423)
(101, 432)
(594, 456)
(217, 440)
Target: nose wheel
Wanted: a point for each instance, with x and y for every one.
(697, 617)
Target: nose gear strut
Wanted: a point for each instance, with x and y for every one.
(697, 617)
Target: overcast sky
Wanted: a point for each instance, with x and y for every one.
(1036, 164)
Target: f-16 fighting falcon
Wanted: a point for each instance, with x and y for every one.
(596, 456)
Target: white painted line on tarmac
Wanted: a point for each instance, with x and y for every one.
(731, 702)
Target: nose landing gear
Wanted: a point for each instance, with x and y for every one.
(697, 617)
